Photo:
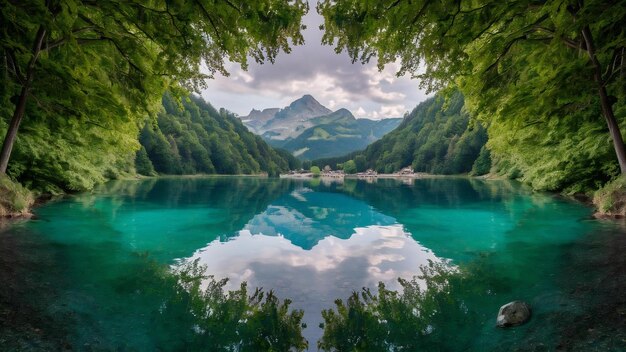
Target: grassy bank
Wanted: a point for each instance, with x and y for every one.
(15, 200)
(610, 200)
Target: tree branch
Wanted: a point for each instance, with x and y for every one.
(233, 6)
(567, 41)
(16, 68)
(208, 15)
(507, 47)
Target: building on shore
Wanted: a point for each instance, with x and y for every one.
(368, 173)
(333, 173)
(407, 171)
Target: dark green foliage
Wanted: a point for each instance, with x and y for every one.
(436, 137)
(143, 165)
(207, 317)
(349, 167)
(360, 163)
(293, 162)
(195, 138)
(424, 315)
(410, 320)
(482, 165)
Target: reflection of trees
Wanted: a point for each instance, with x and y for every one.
(429, 310)
(186, 316)
(209, 319)
(422, 316)
(240, 198)
(392, 196)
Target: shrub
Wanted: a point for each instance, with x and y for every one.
(14, 198)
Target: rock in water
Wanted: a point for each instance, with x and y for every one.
(513, 313)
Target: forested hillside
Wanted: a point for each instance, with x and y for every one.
(336, 134)
(436, 137)
(196, 138)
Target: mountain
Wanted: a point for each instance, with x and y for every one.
(196, 138)
(280, 124)
(257, 118)
(435, 137)
(338, 133)
(310, 130)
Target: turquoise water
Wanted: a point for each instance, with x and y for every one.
(312, 242)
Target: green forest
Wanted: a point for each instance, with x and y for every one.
(83, 83)
(436, 137)
(81, 78)
(338, 131)
(195, 138)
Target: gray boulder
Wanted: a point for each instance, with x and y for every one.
(513, 313)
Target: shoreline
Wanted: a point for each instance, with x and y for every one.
(585, 199)
(43, 199)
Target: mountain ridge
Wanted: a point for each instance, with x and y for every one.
(309, 130)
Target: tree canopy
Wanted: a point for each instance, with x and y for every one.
(546, 77)
(87, 73)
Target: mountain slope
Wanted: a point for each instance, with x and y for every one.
(285, 123)
(257, 118)
(433, 138)
(337, 134)
(198, 139)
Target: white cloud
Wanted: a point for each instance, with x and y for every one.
(317, 70)
(387, 252)
(386, 111)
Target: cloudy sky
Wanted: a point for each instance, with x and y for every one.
(317, 70)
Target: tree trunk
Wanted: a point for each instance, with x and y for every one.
(9, 139)
(20, 107)
(605, 104)
(614, 130)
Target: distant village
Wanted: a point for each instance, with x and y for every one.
(328, 172)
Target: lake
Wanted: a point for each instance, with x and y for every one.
(85, 268)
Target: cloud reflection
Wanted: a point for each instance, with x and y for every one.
(314, 278)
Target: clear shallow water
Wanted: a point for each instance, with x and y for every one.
(312, 242)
